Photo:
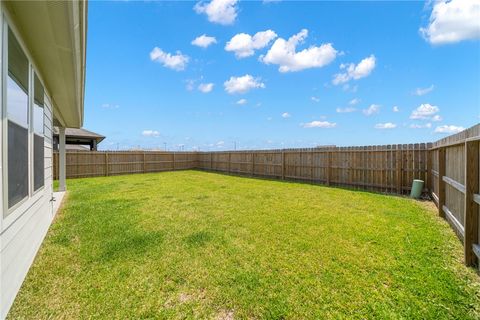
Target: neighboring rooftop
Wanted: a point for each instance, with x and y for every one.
(79, 137)
(76, 147)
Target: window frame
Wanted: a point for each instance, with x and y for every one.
(9, 215)
(32, 133)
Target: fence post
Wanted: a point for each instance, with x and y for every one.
(106, 163)
(229, 161)
(329, 165)
(173, 160)
(144, 168)
(429, 174)
(253, 163)
(399, 168)
(311, 165)
(211, 161)
(283, 165)
(441, 183)
(471, 209)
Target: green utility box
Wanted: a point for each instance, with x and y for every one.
(417, 187)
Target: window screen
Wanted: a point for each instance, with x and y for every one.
(17, 115)
(38, 164)
(38, 150)
(17, 163)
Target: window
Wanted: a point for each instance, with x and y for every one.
(24, 103)
(17, 117)
(38, 150)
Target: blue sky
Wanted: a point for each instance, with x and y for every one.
(280, 74)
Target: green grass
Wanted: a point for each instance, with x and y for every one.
(192, 244)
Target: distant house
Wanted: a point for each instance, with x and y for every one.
(77, 139)
(42, 82)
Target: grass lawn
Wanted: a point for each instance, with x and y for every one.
(192, 244)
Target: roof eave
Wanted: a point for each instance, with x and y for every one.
(55, 32)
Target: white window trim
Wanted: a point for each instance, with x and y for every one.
(9, 211)
(22, 206)
(31, 151)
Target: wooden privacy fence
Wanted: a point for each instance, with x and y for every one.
(455, 187)
(449, 167)
(81, 164)
(388, 168)
(380, 168)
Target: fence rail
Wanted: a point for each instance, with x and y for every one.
(81, 164)
(380, 168)
(455, 189)
(389, 168)
(449, 167)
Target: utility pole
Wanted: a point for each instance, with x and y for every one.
(165, 146)
(234, 145)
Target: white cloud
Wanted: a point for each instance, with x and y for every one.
(150, 133)
(420, 126)
(205, 87)
(242, 84)
(283, 52)
(286, 115)
(395, 109)
(204, 41)
(242, 102)
(437, 118)
(424, 112)
(386, 125)
(372, 109)
(423, 91)
(346, 110)
(319, 124)
(354, 101)
(355, 72)
(244, 45)
(176, 61)
(449, 129)
(110, 106)
(315, 99)
(453, 21)
(218, 11)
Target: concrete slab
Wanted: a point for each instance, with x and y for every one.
(57, 200)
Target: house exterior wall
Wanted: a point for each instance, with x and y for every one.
(22, 230)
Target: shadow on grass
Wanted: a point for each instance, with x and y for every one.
(319, 183)
(198, 239)
(137, 243)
